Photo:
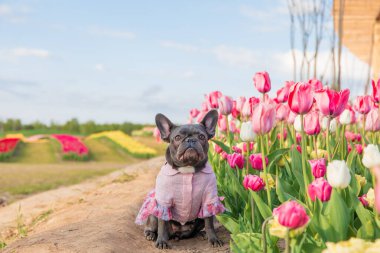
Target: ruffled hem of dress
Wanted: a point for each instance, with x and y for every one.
(151, 207)
(211, 209)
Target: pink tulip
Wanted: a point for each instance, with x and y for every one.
(218, 149)
(359, 148)
(315, 84)
(235, 160)
(311, 123)
(318, 167)
(376, 90)
(298, 137)
(205, 106)
(253, 182)
(363, 104)
(233, 127)
(257, 161)
(237, 149)
(291, 214)
(372, 122)
(201, 115)
(351, 136)
(235, 112)
(194, 112)
(330, 102)
(248, 106)
(222, 123)
(376, 171)
(212, 99)
(263, 118)
(282, 112)
(240, 103)
(292, 116)
(283, 93)
(349, 147)
(224, 155)
(251, 145)
(363, 199)
(262, 81)
(225, 105)
(157, 134)
(300, 98)
(320, 189)
(285, 134)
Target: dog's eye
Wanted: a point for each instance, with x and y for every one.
(177, 138)
(202, 137)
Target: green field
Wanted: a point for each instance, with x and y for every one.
(37, 167)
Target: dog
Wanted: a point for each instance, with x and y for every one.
(185, 199)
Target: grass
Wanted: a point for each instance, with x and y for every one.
(151, 142)
(32, 153)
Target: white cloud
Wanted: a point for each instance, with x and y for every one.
(179, 46)
(105, 32)
(30, 52)
(5, 10)
(99, 67)
(235, 56)
(14, 13)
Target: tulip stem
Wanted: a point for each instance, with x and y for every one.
(228, 133)
(303, 155)
(265, 172)
(315, 146)
(327, 140)
(252, 209)
(343, 136)
(282, 137)
(247, 156)
(287, 242)
(363, 130)
(264, 234)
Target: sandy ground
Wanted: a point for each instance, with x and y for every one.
(95, 216)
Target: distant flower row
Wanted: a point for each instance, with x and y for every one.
(7, 147)
(72, 147)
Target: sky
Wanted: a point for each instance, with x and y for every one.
(116, 60)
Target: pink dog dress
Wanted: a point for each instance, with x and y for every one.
(182, 197)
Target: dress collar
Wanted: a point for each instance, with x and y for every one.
(168, 170)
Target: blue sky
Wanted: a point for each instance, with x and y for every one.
(115, 61)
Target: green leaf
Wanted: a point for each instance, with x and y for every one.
(223, 146)
(246, 242)
(261, 205)
(338, 217)
(228, 222)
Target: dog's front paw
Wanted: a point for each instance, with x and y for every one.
(161, 244)
(150, 235)
(215, 242)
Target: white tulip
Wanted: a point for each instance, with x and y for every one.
(297, 123)
(345, 117)
(246, 132)
(333, 124)
(338, 174)
(371, 156)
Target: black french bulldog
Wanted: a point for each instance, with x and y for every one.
(188, 146)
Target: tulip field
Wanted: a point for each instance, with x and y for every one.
(299, 171)
(7, 147)
(72, 147)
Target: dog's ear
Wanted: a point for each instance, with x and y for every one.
(165, 126)
(209, 122)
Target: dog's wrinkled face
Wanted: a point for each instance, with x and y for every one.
(188, 144)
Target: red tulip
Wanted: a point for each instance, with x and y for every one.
(251, 145)
(235, 112)
(237, 149)
(320, 189)
(372, 122)
(282, 112)
(300, 98)
(262, 81)
(194, 112)
(283, 93)
(311, 123)
(253, 182)
(359, 148)
(363, 199)
(318, 167)
(291, 214)
(263, 118)
(363, 104)
(257, 161)
(235, 160)
(225, 105)
(212, 99)
(330, 102)
(218, 149)
(376, 90)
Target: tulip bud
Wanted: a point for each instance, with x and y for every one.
(311, 123)
(212, 99)
(246, 132)
(330, 102)
(333, 124)
(364, 200)
(345, 117)
(253, 182)
(372, 122)
(297, 123)
(300, 98)
(361, 180)
(371, 156)
(235, 160)
(320, 189)
(338, 174)
(263, 118)
(218, 149)
(370, 197)
(225, 105)
(363, 104)
(262, 81)
(291, 215)
(257, 161)
(318, 167)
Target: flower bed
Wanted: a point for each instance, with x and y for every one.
(303, 167)
(72, 148)
(7, 147)
(127, 143)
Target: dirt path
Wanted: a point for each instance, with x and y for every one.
(95, 216)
